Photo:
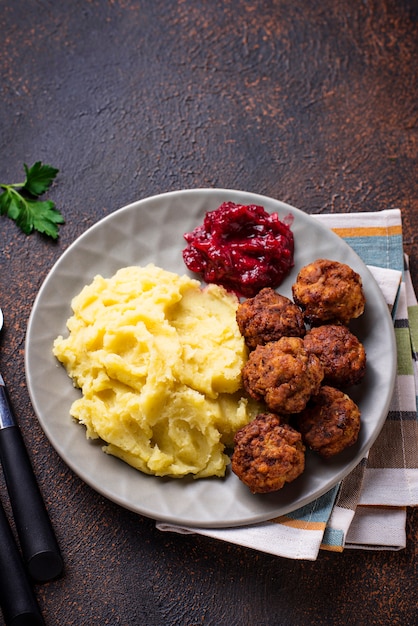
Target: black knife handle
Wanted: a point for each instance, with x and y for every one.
(17, 599)
(39, 546)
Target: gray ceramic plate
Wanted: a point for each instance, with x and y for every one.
(151, 230)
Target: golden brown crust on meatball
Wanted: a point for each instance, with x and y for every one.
(330, 423)
(283, 374)
(329, 291)
(267, 454)
(341, 353)
(268, 316)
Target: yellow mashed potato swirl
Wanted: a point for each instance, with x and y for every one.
(158, 360)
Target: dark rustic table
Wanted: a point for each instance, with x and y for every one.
(314, 102)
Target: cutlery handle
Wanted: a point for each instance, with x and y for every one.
(17, 599)
(37, 539)
(39, 546)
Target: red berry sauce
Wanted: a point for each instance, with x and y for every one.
(243, 248)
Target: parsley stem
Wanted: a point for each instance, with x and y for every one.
(11, 189)
(12, 186)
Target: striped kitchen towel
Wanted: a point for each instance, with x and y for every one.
(368, 508)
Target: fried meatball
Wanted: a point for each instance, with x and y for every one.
(329, 292)
(268, 317)
(341, 353)
(267, 454)
(283, 374)
(330, 423)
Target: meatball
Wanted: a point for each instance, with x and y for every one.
(330, 423)
(283, 374)
(268, 317)
(267, 454)
(341, 353)
(328, 292)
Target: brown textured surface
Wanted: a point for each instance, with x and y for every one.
(313, 102)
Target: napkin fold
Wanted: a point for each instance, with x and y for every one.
(368, 508)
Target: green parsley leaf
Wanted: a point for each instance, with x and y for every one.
(38, 178)
(10, 203)
(20, 201)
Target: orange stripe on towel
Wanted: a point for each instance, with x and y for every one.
(329, 548)
(369, 231)
(298, 523)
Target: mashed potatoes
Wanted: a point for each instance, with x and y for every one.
(158, 360)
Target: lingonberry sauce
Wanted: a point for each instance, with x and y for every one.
(241, 247)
